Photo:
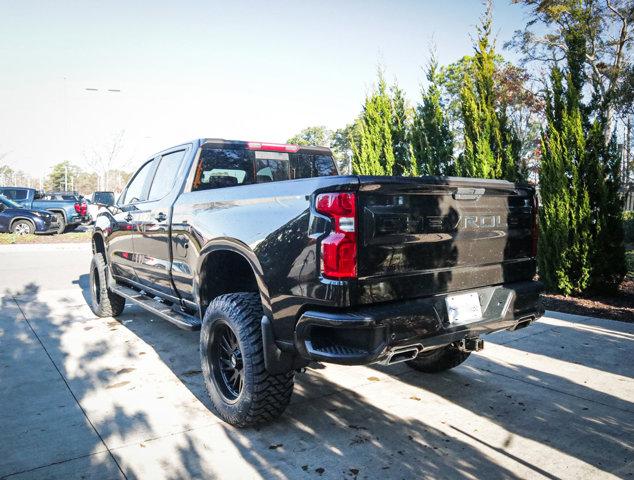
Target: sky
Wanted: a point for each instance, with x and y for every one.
(248, 70)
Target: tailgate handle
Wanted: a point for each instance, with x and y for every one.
(464, 193)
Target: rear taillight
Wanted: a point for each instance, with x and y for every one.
(535, 226)
(78, 208)
(83, 209)
(339, 248)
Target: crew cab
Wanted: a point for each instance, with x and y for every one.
(66, 212)
(280, 261)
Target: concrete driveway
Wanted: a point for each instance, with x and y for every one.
(85, 397)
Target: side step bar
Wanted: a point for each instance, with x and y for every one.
(180, 319)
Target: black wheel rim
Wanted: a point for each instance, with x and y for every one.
(226, 362)
(96, 287)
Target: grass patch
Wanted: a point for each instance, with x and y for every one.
(70, 237)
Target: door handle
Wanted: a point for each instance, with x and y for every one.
(128, 217)
(161, 217)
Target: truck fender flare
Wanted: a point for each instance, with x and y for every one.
(235, 246)
(98, 236)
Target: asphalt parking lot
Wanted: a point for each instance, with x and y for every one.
(85, 397)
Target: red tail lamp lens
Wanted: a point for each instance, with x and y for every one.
(339, 248)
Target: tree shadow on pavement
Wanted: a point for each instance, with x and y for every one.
(582, 341)
(42, 424)
(574, 420)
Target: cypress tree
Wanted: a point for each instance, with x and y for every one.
(565, 240)
(371, 138)
(490, 147)
(585, 250)
(603, 181)
(432, 140)
(400, 134)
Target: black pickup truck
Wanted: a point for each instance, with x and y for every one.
(280, 261)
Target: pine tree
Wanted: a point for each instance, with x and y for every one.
(432, 140)
(490, 147)
(371, 138)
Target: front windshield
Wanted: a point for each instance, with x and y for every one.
(8, 203)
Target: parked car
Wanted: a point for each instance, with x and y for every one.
(65, 211)
(22, 221)
(280, 261)
(99, 202)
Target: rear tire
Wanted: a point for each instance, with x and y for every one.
(242, 391)
(438, 360)
(22, 227)
(104, 303)
(61, 223)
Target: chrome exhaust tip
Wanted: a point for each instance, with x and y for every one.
(402, 354)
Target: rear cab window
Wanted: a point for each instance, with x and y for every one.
(222, 166)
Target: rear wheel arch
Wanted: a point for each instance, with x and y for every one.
(61, 211)
(227, 268)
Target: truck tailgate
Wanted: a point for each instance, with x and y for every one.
(428, 235)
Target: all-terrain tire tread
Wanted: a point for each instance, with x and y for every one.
(270, 394)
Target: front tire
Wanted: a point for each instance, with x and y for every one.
(242, 391)
(22, 227)
(438, 360)
(104, 303)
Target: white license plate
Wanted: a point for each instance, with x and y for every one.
(463, 308)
